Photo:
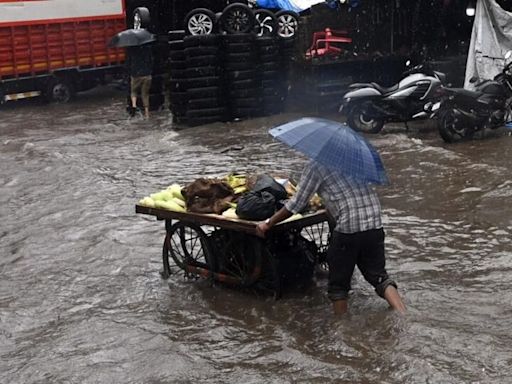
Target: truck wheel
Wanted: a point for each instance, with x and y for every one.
(237, 18)
(266, 23)
(59, 90)
(288, 22)
(200, 21)
(141, 18)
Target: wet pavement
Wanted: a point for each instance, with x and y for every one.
(82, 301)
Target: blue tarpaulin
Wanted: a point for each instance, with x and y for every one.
(299, 5)
(288, 5)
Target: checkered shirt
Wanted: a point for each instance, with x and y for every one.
(355, 206)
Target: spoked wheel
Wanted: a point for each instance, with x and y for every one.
(200, 21)
(287, 22)
(244, 261)
(238, 257)
(237, 18)
(361, 120)
(189, 248)
(452, 127)
(265, 24)
(320, 234)
(270, 278)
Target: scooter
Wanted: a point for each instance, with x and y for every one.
(462, 112)
(368, 106)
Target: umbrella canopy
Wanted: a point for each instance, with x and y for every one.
(335, 146)
(131, 38)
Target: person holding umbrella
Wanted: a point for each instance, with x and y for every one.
(342, 168)
(139, 63)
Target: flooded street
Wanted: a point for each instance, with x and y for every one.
(82, 300)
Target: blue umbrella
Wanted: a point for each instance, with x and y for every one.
(335, 146)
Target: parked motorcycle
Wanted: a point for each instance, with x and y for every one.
(462, 112)
(368, 106)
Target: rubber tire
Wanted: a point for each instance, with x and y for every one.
(59, 90)
(203, 61)
(237, 38)
(177, 55)
(201, 51)
(203, 71)
(202, 82)
(144, 15)
(199, 93)
(265, 23)
(177, 34)
(243, 93)
(201, 40)
(246, 102)
(227, 14)
(448, 134)
(210, 102)
(287, 28)
(238, 48)
(176, 45)
(243, 84)
(211, 17)
(239, 66)
(241, 75)
(354, 121)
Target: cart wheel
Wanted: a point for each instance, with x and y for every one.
(237, 257)
(320, 233)
(188, 246)
(270, 280)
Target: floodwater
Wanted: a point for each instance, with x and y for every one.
(82, 300)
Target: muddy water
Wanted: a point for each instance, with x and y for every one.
(82, 301)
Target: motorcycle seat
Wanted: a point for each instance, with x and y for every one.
(382, 90)
(385, 90)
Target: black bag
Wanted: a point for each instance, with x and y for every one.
(256, 205)
(269, 184)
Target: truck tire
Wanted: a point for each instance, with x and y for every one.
(59, 90)
(200, 21)
(141, 18)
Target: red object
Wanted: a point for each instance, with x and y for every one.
(41, 37)
(328, 42)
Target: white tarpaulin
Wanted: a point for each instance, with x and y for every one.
(491, 38)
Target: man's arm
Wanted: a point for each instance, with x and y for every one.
(307, 187)
(264, 226)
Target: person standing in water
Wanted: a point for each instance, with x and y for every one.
(357, 239)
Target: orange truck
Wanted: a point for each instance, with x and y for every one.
(55, 48)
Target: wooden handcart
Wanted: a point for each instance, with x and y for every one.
(228, 251)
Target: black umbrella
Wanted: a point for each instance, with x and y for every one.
(131, 38)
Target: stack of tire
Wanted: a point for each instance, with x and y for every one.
(241, 76)
(205, 97)
(175, 86)
(271, 77)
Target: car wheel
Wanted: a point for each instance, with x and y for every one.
(265, 23)
(200, 21)
(237, 18)
(288, 22)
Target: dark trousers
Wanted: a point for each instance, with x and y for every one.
(364, 249)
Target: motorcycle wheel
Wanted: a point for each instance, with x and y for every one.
(452, 127)
(358, 119)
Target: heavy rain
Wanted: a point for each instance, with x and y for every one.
(82, 296)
